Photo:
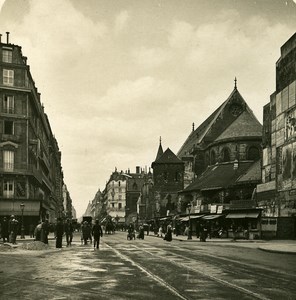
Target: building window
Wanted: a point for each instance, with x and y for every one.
(8, 189)
(8, 127)
(253, 153)
(7, 56)
(119, 205)
(225, 155)
(177, 176)
(112, 205)
(119, 183)
(8, 160)
(8, 104)
(8, 77)
(119, 190)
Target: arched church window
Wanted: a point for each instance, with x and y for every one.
(225, 155)
(253, 153)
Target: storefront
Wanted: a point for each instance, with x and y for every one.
(244, 224)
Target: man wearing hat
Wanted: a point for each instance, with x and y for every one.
(97, 233)
(12, 229)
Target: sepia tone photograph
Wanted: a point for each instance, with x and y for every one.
(147, 149)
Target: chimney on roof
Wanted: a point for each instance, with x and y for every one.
(137, 170)
(7, 37)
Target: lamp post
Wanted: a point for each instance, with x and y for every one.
(22, 205)
(189, 236)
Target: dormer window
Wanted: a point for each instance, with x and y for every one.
(7, 56)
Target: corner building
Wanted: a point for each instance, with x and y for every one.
(30, 159)
(277, 193)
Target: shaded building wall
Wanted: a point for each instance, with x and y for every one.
(279, 153)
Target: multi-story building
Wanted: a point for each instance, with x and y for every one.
(30, 160)
(67, 203)
(277, 193)
(116, 195)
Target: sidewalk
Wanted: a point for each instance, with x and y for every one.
(275, 246)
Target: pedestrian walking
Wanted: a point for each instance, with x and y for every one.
(169, 236)
(97, 233)
(85, 232)
(12, 229)
(4, 230)
(59, 233)
(69, 232)
(44, 232)
(141, 232)
(37, 231)
(159, 234)
(31, 230)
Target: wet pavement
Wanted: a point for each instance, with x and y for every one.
(149, 269)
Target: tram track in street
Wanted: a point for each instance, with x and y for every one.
(255, 281)
(239, 262)
(250, 294)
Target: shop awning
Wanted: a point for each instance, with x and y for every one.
(9, 207)
(185, 219)
(211, 217)
(241, 215)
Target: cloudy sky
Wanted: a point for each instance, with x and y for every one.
(115, 75)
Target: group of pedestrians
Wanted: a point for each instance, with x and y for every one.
(9, 229)
(88, 232)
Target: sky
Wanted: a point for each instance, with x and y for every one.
(115, 75)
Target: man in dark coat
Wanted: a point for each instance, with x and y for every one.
(4, 230)
(69, 232)
(44, 231)
(97, 233)
(12, 229)
(59, 233)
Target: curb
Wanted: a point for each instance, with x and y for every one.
(277, 251)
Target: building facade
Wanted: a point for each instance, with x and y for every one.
(221, 149)
(168, 180)
(30, 159)
(277, 193)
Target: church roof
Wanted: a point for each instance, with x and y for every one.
(197, 136)
(253, 174)
(246, 125)
(168, 157)
(219, 176)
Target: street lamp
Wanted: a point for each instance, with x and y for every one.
(22, 205)
(189, 236)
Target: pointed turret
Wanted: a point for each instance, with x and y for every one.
(160, 150)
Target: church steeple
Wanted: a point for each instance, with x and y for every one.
(160, 150)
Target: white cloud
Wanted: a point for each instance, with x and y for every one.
(139, 98)
(1, 4)
(151, 57)
(121, 20)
